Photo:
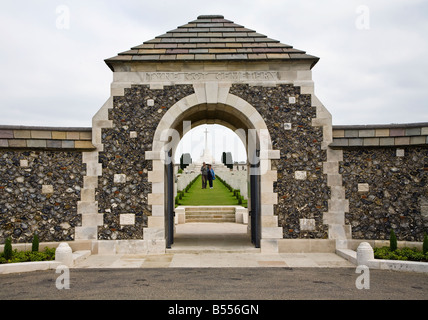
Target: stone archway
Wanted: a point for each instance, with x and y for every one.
(161, 82)
(211, 101)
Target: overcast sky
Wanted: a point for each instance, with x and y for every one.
(373, 67)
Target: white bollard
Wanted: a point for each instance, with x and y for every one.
(364, 253)
(64, 254)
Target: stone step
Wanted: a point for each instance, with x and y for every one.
(210, 209)
(219, 220)
(206, 213)
(210, 219)
(209, 216)
(79, 256)
(195, 250)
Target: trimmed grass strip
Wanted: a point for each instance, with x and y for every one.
(219, 195)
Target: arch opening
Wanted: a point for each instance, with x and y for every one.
(239, 117)
(217, 139)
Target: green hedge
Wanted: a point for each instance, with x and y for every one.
(409, 254)
(27, 256)
(181, 193)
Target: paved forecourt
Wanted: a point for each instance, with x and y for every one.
(214, 245)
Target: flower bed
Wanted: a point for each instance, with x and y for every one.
(29, 256)
(405, 254)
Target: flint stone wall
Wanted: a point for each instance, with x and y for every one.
(301, 185)
(39, 191)
(123, 186)
(387, 189)
(384, 170)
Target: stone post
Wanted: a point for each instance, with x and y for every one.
(364, 253)
(64, 254)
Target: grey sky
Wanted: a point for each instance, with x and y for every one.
(57, 77)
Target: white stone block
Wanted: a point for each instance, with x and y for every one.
(334, 218)
(307, 224)
(211, 89)
(400, 153)
(300, 175)
(154, 233)
(90, 182)
(127, 219)
(287, 126)
(133, 134)
(269, 198)
(330, 167)
(92, 219)
(23, 163)
(155, 198)
(47, 189)
(338, 205)
(87, 195)
(339, 231)
(86, 233)
(158, 210)
(269, 246)
(94, 169)
(107, 247)
(156, 222)
(272, 233)
(292, 100)
(363, 187)
(334, 180)
(269, 221)
(156, 246)
(119, 178)
(180, 215)
(131, 247)
(87, 207)
(150, 102)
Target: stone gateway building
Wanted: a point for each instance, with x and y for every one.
(312, 186)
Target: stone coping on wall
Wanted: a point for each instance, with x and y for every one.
(46, 138)
(63, 138)
(391, 135)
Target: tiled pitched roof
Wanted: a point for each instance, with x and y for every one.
(211, 38)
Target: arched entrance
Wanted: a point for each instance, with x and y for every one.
(234, 113)
(218, 76)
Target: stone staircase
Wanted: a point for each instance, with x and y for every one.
(210, 214)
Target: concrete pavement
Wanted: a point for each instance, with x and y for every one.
(214, 245)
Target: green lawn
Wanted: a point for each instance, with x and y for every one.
(217, 196)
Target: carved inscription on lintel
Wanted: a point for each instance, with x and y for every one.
(237, 76)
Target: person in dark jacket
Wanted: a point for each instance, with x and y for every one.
(204, 173)
(211, 176)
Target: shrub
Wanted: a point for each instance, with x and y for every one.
(7, 252)
(27, 256)
(35, 244)
(425, 244)
(392, 241)
(411, 254)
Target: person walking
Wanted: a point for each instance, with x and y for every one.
(211, 176)
(204, 173)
